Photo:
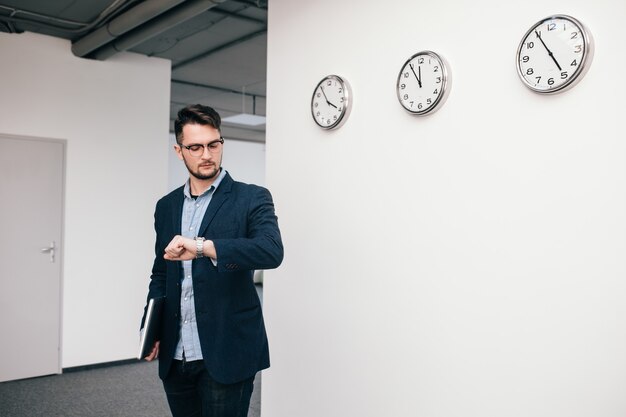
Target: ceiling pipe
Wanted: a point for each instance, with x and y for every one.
(211, 87)
(220, 48)
(155, 27)
(133, 18)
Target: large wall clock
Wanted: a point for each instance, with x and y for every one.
(554, 54)
(423, 83)
(331, 102)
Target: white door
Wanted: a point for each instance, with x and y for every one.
(31, 214)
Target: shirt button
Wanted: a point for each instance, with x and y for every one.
(185, 298)
(185, 321)
(188, 276)
(191, 228)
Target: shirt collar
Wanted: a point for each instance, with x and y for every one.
(216, 183)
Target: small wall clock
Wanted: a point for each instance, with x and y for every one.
(554, 54)
(331, 102)
(423, 83)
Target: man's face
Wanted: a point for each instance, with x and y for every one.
(205, 165)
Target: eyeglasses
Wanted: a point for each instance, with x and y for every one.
(197, 150)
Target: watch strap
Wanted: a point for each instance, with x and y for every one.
(199, 247)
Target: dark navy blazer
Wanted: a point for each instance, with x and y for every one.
(240, 221)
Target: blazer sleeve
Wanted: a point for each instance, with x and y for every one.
(262, 247)
(157, 277)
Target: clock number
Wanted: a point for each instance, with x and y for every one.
(530, 45)
(574, 35)
(550, 81)
(438, 80)
(538, 79)
(335, 117)
(329, 83)
(529, 71)
(578, 49)
(563, 75)
(318, 94)
(436, 92)
(574, 63)
(406, 75)
(420, 61)
(402, 86)
(340, 91)
(525, 58)
(411, 103)
(419, 106)
(429, 101)
(436, 68)
(551, 26)
(406, 96)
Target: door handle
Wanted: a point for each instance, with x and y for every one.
(50, 249)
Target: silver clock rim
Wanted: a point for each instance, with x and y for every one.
(347, 102)
(584, 63)
(444, 83)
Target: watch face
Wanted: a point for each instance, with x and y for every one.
(423, 83)
(331, 102)
(554, 54)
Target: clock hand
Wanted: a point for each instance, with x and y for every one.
(327, 101)
(549, 51)
(419, 81)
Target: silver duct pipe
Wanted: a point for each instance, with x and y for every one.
(133, 18)
(159, 25)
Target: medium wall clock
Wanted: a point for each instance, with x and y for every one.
(554, 54)
(331, 102)
(423, 83)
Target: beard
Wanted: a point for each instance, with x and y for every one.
(211, 174)
(208, 176)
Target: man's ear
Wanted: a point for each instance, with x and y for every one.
(179, 151)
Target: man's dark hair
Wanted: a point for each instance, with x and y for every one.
(195, 114)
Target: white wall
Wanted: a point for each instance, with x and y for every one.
(470, 263)
(114, 116)
(245, 161)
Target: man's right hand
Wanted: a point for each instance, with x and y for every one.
(154, 353)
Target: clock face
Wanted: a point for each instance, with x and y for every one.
(331, 102)
(554, 54)
(423, 83)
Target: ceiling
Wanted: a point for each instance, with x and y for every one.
(217, 48)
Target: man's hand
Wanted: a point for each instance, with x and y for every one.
(180, 249)
(154, 353)
(184, 249)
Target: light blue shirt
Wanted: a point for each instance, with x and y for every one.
(193, 213)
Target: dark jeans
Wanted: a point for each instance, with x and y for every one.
(192, 392)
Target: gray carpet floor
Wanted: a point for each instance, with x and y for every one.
(131, 390)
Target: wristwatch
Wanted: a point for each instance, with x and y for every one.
(199, 247)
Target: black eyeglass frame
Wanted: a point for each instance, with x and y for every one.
(207, 146)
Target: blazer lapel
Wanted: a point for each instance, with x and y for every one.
(177, 215)
(177, 211)
(219, 197)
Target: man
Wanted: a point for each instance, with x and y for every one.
(211, 234)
